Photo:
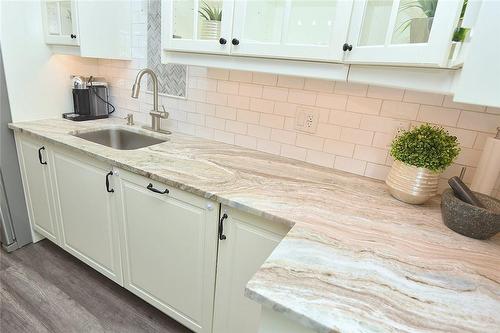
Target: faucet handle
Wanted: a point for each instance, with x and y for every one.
(164, 114)
(130, 119)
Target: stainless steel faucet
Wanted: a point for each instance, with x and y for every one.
(156, 114)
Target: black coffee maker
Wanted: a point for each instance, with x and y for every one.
(90, 100)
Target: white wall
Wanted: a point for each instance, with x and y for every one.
(38, 82)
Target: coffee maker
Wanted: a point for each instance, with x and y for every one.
(90, 99)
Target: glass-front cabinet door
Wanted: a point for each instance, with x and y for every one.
(197, 25)
(59, 22)
(293, 29)
(405, 32)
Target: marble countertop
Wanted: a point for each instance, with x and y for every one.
(355, 260)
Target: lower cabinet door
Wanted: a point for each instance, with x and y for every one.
(35, 165)
(249, 241)
(169, 246)
(89, 230)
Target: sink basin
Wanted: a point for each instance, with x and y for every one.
(119, 138)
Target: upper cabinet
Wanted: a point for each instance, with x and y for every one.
(391, 32)
(197, 25)
(60, 26)
(89, 28)
(311, 30)
(406, 32)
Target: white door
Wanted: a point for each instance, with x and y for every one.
(197, 25)
(84, 204)
(169, 241)
(248, 242)
(35, 163)
(60, 23)
(404, 32)
(293, 29)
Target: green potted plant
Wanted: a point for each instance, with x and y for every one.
(212, 17)
(420, 156)
(420, 27)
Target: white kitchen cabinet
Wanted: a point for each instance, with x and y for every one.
(89, 28)
(169, 246)
(188, 27)
(403, 32)
(35, 165)
(85, 211)
(309, 30)
(59, 22)
(248, 242)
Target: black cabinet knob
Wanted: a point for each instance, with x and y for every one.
(347, 47)
(222, 41)
(73, 36)
(235, 41)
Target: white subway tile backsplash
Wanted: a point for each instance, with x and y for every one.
(224, 136)
(309, 142)
(438, 115)
(402, 110)
(228, 87)
(293, 152)
(285, 109)
(385, 93)
(272, 120)
(328, 131)
(293, 82)
(332, 101)
(364, 105)
(318, 85)
(357, 136)
(250, 90)
(423, 98)
(283, 136)
(240, 76)
(225, 112)
(270, 147)
(479, 121)
(350, 165)
(382, 124)
(370, 154)
(249, 117)
(240, 102)
(353, 89)
(302, 97)
(236, 127)
(218, 73)
(216, 98)
(337, 147)
(275, 93)
(261, 105)
(259, 131)
(246, 141)
(347, 119)
(377, 171)
(265, 79)
(320, 158)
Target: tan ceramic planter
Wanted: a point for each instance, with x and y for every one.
(411, 184)
(210, 29)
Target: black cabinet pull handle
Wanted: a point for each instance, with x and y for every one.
(221, 227)
(40, 155)
(107, 182)
(222, 41)
(73, 36)
(151, 188)
(347, 47)
(235, 41)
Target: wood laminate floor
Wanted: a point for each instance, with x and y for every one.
(45, 289)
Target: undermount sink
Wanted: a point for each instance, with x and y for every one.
(119, 138)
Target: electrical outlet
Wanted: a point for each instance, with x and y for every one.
(306, 119)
